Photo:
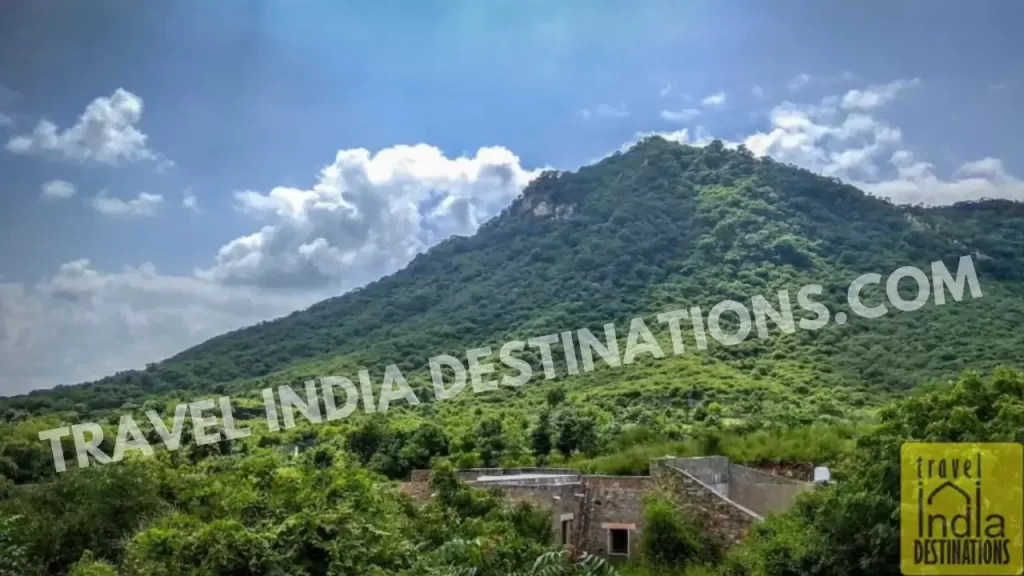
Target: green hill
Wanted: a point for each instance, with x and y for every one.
(659, 227)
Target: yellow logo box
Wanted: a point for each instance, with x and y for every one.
(962, 508)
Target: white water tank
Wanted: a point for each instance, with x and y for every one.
(822, 475)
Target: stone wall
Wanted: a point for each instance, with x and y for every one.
(612, 502)
(419, 491)
(419, 476)
(564, 501)
(761, 492)
(727, 521)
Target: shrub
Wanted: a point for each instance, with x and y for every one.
(671, 540)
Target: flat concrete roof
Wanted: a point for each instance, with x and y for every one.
(527, 477)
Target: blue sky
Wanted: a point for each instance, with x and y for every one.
(113, 113)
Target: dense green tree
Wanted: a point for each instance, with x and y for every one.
(429, 441)
(89, 566)
(93, 509)
(577, 432)
(490, 440)
(556, 396)
(368, 439)
(852, 528)
(13, 556)
(540, 438)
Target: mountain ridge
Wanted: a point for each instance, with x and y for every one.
(637, 231)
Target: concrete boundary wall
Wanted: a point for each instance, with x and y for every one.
(710, 470)
(727, 521)
(762, 492)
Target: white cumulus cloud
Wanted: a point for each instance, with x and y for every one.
(876, 96)
(368, 214)
(604, 111)
(143, 205)
(82, 324)
(842, 136)
(106, 132)
(917, 182)
(799, 82)
(803, 81)
(58, 190)
(189, 200)
(680, 116)
(714, 100)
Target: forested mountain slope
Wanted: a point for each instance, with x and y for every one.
(660, 227)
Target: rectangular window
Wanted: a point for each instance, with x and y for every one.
(566, 531)
(618, 542)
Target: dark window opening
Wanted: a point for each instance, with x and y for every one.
(618, 541)
(566, 531)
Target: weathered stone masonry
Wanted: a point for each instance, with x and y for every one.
(726, 520)
(723, 497)
(612, 502)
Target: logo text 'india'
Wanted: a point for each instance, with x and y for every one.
(961, 508)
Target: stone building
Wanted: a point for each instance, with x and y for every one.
(603, 515)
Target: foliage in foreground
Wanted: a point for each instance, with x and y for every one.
(672, 541)
(475, 559)
(852, 528)
(269, 513)
(272, 515)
